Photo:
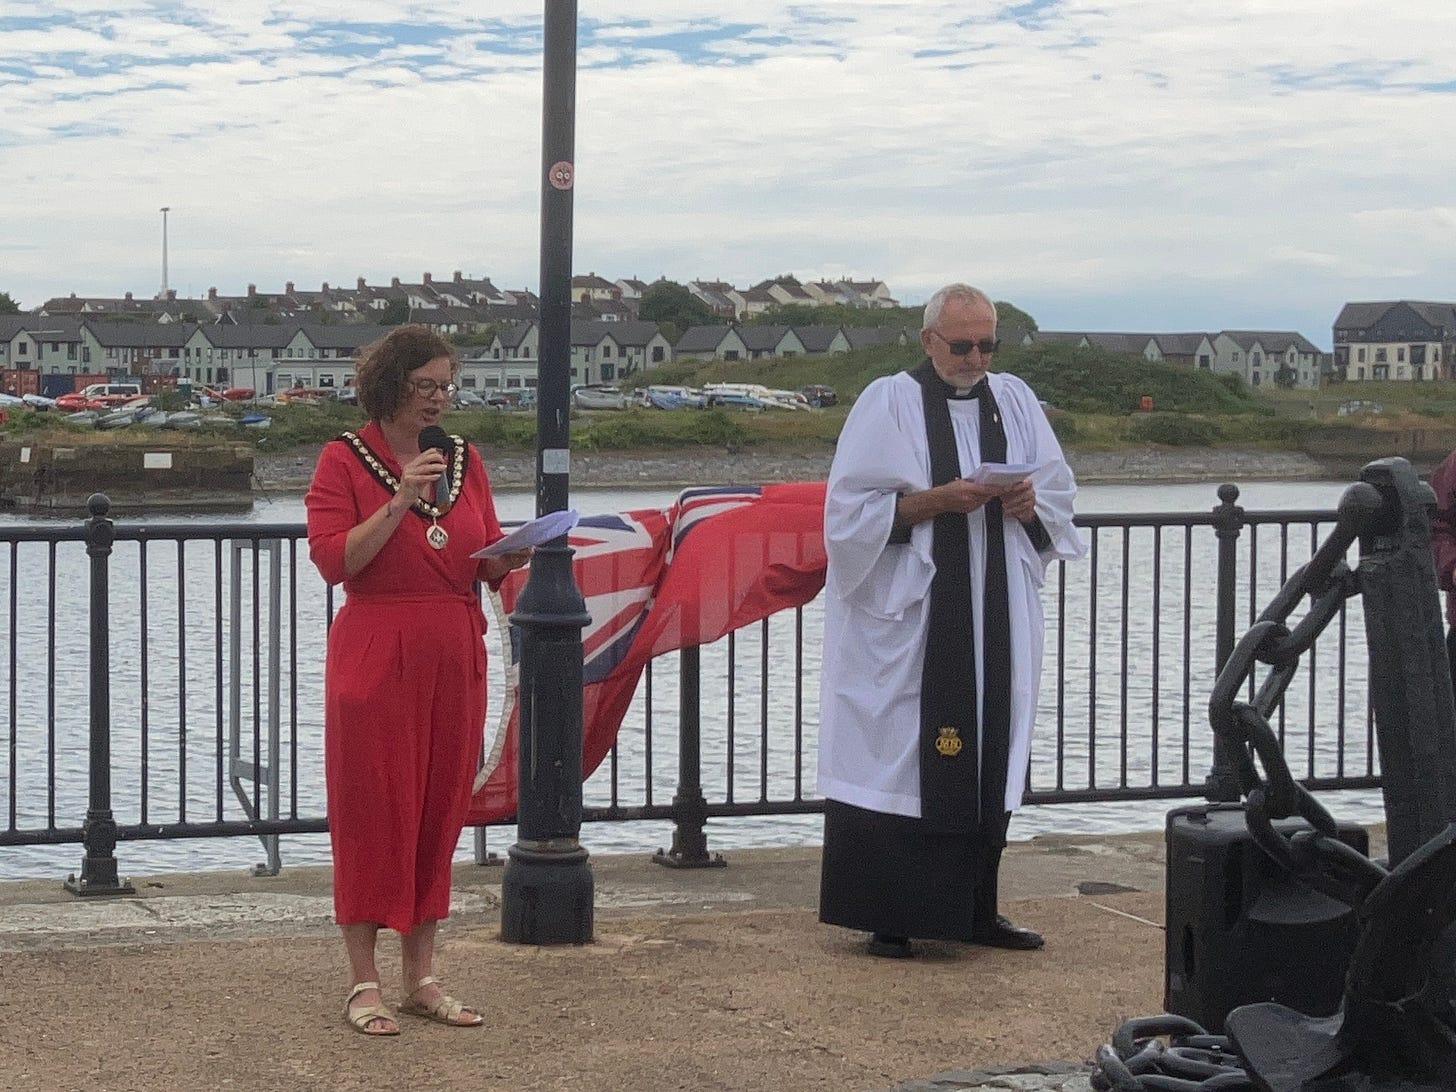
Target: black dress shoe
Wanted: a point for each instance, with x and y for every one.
(1002, 934)
(889, 947)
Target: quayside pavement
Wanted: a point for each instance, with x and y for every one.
(714, 979)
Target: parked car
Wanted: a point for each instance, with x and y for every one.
(77, 402)
(819, 395)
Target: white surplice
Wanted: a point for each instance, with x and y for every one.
(877, 595)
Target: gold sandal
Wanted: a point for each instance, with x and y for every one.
(360, 1017)
(444, 1011)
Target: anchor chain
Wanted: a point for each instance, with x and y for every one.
(1315, 856)
(1192, 1060)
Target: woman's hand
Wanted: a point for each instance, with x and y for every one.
(497, 567)
(420, 475)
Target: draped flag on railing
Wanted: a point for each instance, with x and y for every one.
(655, 581)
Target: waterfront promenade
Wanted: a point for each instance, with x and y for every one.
(718, 979)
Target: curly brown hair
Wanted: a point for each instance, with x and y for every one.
(384, 367)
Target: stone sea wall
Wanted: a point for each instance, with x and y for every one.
(58, 477)
(715, 466)
(46, 476)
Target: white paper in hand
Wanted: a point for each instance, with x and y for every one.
(533, 533)
(1002, 474)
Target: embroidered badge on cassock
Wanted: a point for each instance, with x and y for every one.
(949, 742)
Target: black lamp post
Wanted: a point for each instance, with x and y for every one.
(547, 890)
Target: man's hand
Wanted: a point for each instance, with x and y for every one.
(1019, 502)
(957, 496)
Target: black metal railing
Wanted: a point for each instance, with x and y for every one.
(198, 667)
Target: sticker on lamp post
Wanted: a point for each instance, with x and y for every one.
(561, 175)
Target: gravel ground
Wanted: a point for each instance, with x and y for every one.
(712, 466)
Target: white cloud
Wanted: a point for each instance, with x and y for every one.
(1138, 166)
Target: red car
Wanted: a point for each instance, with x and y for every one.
(75, 402)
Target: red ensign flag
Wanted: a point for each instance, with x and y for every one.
(656, 581)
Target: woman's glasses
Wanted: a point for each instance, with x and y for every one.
(986, 345)
(426, 388)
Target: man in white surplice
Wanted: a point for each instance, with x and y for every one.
(886, 870)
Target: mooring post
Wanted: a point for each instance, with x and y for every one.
(98, 866)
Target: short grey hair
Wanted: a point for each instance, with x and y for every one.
(963, 292)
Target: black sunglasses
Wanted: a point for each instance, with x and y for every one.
(986, 345)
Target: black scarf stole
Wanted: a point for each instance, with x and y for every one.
(954, 778)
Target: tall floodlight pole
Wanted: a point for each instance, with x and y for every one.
(165, 209)
(547, 889)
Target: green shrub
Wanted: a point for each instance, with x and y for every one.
(639, 428)
(1174, 429)
(493, 429)
(1097, 381)
(1272, 431)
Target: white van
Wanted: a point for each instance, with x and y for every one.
(113, 391)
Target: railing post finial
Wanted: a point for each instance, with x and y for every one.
(1222, 784)
(98, 866)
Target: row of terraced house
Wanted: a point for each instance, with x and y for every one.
(59, 353)
(276, 356)
(464, 304)
(271, 341)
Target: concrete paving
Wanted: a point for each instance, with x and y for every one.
(38, 914)
(713, 979)
(717, 978)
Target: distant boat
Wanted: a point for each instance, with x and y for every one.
(116, 418)
(256, 420)
(38, 401)
(733, 400)
(179, 419)
(599, 398)
(671, 398)
(83, 419)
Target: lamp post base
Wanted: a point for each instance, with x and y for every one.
(547, 896)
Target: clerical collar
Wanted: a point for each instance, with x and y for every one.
(926, 374)
(961, 394)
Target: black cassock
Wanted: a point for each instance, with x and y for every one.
(934, 877)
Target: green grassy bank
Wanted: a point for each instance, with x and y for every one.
(1093, 400)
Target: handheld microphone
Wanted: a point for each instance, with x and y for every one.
(436, 437)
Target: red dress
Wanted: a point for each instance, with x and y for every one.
(404, 687)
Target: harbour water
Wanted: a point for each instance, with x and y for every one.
(1145, 687)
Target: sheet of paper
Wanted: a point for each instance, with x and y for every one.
(533, 533)
(1002, 474)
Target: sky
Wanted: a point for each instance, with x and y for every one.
(1126, 165)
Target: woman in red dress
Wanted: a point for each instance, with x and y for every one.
(404, 684)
